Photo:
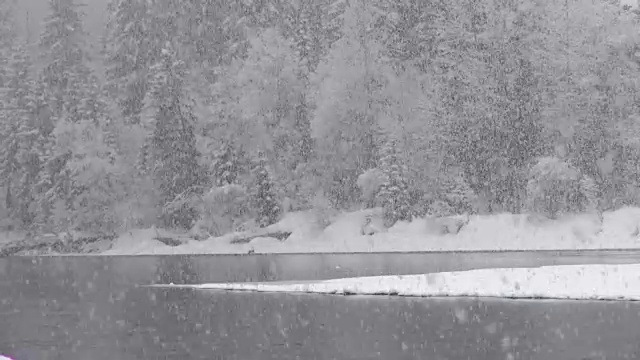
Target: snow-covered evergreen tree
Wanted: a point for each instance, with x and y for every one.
(70, 99)
(590, 194)
(214, 35)
(39, 154)
(458, 194)
(222, 209)
(19, 160)
(130, 51)
(92, 166)
(412, 27)
(28, 144)
(8, 127)
(265, 101)
(268, 209)
(556, 187)
(9, 148)
(313, 26)
(490, 99)
(270, 88)
(63, 42)
(263, 14)
(226, 166)
(7, 34)
(350, 103)
(370, 183)
(172, 149)
(394, 192)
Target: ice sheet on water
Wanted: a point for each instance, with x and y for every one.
(579, 282)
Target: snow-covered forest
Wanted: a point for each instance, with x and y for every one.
(213, 116)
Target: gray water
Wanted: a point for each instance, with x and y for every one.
(90, 308)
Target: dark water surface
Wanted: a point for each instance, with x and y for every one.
(89, 308)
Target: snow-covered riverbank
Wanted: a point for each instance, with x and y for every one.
(617, 229)
(301, 232)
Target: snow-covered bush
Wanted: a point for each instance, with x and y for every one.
(555, 188)
(226, 165)
(372, 225)
(183, 208)
(370, 183)
(264, 197)
(420, 202)
(139, 209)
(440, 208)
(454, 196)
(445, 225)
(589, 194)
(323, 212)
(223, 209)
(249, 225)
(297, 188)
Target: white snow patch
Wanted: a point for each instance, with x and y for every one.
(617, 229)
(7, 237)
(580, 282)
(137, 242)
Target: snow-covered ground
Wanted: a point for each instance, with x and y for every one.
(617, 229)
(580, 282)
(9, 237)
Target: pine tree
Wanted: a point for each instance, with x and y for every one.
(313, 27)
(129, 54)
(263, 14)
(214, 34)
(9, 167)
(270, 88)
(305, 144)
(9, 147)
(92, 166)
(63, 43)
(172, 146)
(66, 81)
(226, 166)
(458, 194)
(8, 35)
(350, 103)
(8, 127)
(268, 209)
(263, 100)
(39, 155)
(17, 132)
(394, 192)
(413, 28)
(30, 143)
(7, 23)
(554, 187)
(491, 100)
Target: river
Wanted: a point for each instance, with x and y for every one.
(94, 308)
